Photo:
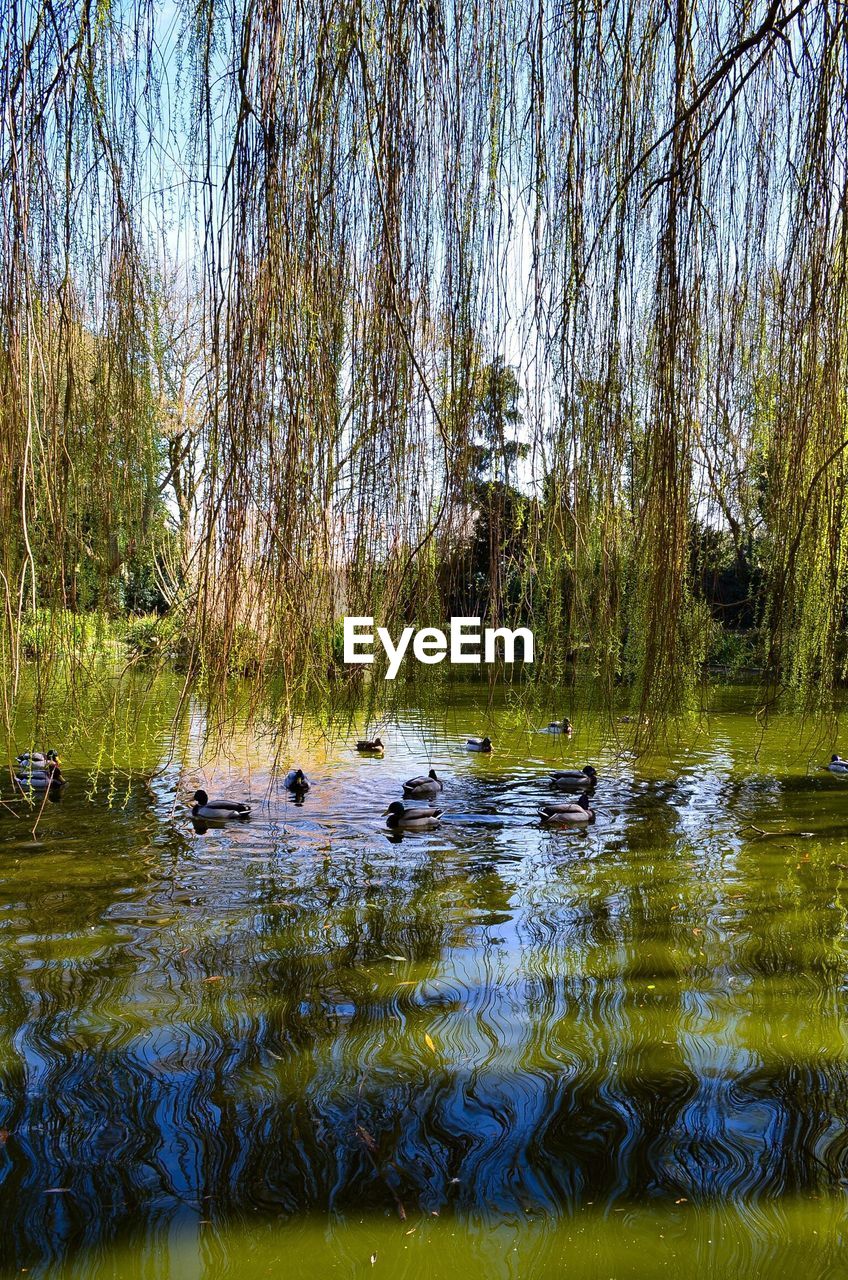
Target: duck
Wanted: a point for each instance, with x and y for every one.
(37, 759)
(421, 788)
(296, 780)
(372, 745)
(578, 812)
(414, 818)
(478, 744)
(41, 779)
(203, 807)
(561, 726)
(575, 779)
(837, 765)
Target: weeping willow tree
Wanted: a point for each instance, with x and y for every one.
(256, 260)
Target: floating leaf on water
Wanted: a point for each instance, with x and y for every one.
(216, 978)
(399, 959)
(428, 1040)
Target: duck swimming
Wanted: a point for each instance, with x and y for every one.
(37, 759)
(421, 788)
(560, 726)
(478, 744)
(41, 779)
(374, 746)
(575, 779)
(217, 809)
(837, 765)
(576, 813)
(296, 780)
(415, 818)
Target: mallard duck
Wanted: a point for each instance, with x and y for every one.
(41, 779)
(577, 812)
(420, 788)
(837, 765)
(217, 809)
(37, 759)
(295, 780)
(372, 745)
(575, 779)
(416, 818)
(478, 744)
(561, 726)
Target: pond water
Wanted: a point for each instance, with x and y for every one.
(302, 1047)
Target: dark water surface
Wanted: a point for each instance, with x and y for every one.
(300, 1047)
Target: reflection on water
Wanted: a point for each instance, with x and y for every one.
(491, 1047)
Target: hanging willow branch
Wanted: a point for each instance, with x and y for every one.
(413, 309)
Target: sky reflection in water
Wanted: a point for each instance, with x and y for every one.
(295, 1042)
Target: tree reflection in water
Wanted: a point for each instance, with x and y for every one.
(490, 1022)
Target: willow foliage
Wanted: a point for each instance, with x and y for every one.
(256, 259)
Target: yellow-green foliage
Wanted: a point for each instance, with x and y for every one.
(257, 382)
